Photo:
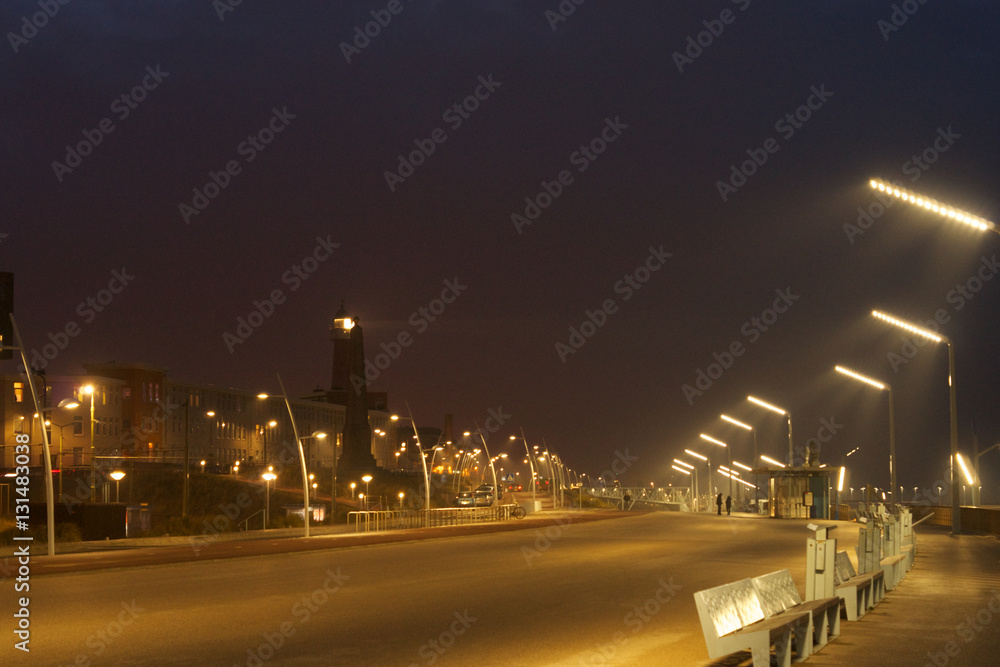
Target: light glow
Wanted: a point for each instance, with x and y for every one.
(740, 465)
(932, 204)
(859, 377)
(737, 422)
(684, 463)
(907, 326)
(840, 482)
(696, 455)
(765, 404)
(686, 472)
(771, 461)
(961, 463)
(711, 439)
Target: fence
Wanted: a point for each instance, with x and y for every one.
(978, 519)
(446, 516)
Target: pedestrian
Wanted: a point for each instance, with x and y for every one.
(718, 501)
(729, 504)
(628, 499)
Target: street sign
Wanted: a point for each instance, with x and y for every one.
(510, 477)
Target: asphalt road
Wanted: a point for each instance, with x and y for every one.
(606, 592)
(574, 593)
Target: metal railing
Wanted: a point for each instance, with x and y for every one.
(245, 524)
(372, 520)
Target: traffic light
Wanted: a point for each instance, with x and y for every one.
(6, 308)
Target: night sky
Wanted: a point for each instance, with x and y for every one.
(537, 173)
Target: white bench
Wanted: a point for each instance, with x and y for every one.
(733, 619)
(778, 594)
(860, 592)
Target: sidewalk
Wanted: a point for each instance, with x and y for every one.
(946, 611)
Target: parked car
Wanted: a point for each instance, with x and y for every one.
(483, 499)
(465, 499)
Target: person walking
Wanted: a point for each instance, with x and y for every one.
(718, 501)
(729, 504)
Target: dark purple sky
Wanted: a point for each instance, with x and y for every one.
(879, 97)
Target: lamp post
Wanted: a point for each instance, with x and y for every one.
(117, 476)
(780, 411)
(956, 515)
(709, 463)
(881, 386)
(728, 451)
(423, 460)
(975, 465)
(933, 205)
(531, 463)
(753, 432)
(302, 458)
(270, 424)
(269, 477)
(690, 471)
(496, 497)
(315, 435)
(353, 486)
(89, 390)
(71, 404)
(366, 479)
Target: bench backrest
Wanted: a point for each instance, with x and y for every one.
(776, 592)
(728, 608)
(844, 568)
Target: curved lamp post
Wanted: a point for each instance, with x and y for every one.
(780, 411)
(302, 457)
(956, 514)
(531, 463)
(881, 386)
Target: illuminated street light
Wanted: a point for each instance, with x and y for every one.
(366, 479)
(965, 470)
(956, 522)
(780, 411)
(722, 444)
(881, 386)
(268, 477)
(117, 476)
(423, 460)
(302, 456)
(931, 204)
(531, 463)
(768, 459)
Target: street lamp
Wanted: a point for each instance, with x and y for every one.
(768, 459)
(423, 460)
(302, 457)
(780, 411)
(269, 477)
(881, 386)
(722, 444)
(531, 463)
(496, 496)
(956, 520)
(753, 432)
(117, 476)
(366, 479)
(353, 486)
(89, 390)
(931, 204)
(688, 470)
